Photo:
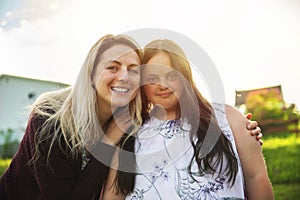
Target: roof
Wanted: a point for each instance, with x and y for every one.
(241, 95)
(5, 76)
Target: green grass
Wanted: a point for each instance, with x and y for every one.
(280, 140)
(282, 155)
(287, 191)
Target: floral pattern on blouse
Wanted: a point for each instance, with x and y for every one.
(197, 187)
(161, 176)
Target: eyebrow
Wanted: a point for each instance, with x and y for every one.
(119, 63)
(150, 75)
(172, 72)
(168, 73)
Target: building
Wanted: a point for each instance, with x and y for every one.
(276, 116)
(241, 96)
(17, 93)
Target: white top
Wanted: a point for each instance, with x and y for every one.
(164, 152)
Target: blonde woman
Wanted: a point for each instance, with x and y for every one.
(67, 147)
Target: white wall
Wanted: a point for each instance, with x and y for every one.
(16, 94)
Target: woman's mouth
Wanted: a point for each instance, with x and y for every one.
(164, 95)
(120, 89)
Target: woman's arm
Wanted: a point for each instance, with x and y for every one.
(258, 185)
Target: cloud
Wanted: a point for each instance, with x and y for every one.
(15, 13)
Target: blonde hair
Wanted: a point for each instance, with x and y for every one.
(71, 113)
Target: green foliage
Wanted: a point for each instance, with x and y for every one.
(271, 112)
(4, 165)
(267, 106)
(9, 145)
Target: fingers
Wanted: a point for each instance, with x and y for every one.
(259, 136)
(261, 142)
(255, 131)
(252, 125)
(249, 115)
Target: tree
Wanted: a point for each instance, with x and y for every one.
(265, 106)
(9, 146)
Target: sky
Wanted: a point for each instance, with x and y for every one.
(252, 43)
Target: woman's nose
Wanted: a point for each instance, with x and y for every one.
(163, 83)
(123, 74)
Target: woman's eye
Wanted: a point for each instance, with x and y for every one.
(112, 68)
(172, 77)
(151, 80)
(134, 70)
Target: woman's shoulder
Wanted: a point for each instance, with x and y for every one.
(230, 111)
(224, 108)
(234, 116)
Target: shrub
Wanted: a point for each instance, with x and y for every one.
(10, 145)
(4, 165)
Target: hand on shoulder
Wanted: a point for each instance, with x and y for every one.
(250, 153)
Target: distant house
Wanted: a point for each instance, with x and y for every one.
(241, 96)
(17, 93)
(276, 116)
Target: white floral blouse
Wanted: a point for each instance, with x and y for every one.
(164, 153)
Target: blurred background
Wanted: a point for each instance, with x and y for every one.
(254, 44)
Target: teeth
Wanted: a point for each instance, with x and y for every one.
(118, 89)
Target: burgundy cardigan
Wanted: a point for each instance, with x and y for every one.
(63, 179)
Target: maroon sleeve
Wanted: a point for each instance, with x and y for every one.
(63, 178)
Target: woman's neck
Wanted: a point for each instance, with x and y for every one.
(104, 114)
(164, 114)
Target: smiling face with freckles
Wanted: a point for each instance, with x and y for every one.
(117, 76)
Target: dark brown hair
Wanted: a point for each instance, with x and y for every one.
(198, 108)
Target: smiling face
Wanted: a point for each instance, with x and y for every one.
(162, 84)
(117, 76)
